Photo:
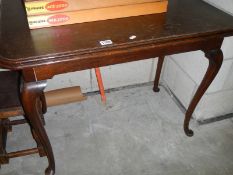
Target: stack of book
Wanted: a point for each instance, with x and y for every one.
(47, 13)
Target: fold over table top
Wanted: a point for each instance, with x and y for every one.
(21, 47)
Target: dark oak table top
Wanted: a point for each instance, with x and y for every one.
(185, 19)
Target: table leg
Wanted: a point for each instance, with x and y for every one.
(158, 73)
(215, 58)
(31, 101)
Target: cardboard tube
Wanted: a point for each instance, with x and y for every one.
(64, 96)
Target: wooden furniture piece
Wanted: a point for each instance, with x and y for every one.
(10, 106)
(41, 54)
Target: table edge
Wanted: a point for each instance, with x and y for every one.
(21, 63)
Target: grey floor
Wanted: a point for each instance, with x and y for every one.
(138, 132)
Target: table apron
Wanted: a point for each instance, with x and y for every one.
(120, 55)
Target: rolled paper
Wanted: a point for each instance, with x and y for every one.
(64, 96)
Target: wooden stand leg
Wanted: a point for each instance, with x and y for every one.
(215, 58)
(3, 137)
(31, 101)
(158, 73)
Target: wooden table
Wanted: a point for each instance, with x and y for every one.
(188, 25)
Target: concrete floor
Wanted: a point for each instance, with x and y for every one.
(138, 132)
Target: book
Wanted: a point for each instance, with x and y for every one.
(39, 7)
(90, 15)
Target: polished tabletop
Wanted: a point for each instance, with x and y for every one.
(21, 47)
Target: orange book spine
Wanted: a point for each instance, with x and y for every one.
(58, 6)
(91, 15)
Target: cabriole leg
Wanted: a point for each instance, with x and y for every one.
(31, 101)
(215, 58)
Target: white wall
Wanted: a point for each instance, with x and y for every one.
(184, 72)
